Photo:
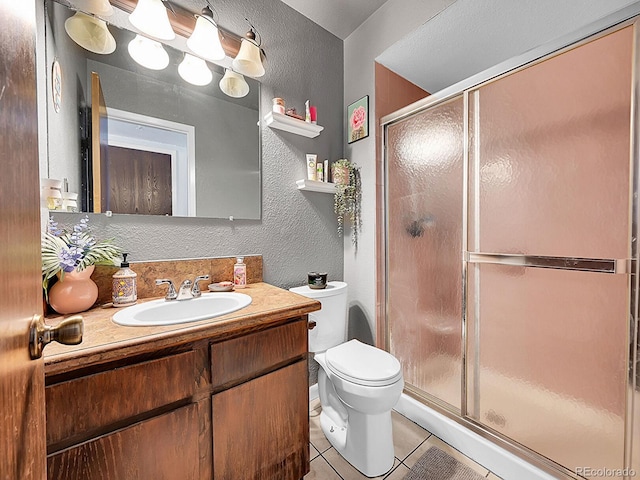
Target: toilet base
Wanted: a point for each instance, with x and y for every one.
(365, 441)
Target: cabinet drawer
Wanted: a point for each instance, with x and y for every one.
(89, 404)
(164, 447)
(251, 355)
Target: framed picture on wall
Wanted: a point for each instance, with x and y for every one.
(358, 117)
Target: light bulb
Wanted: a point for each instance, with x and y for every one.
(90, 33)
(234, 84)
(194, 70)
(148, 53)
(150, 17)
(205, 41)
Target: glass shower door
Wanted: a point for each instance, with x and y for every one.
(548, 288)
(424, 240)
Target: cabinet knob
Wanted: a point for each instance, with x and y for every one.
(311, 324)
(68, 332)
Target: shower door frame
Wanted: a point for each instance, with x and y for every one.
(625, 17)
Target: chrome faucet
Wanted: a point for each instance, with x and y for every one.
(195, 290)
(187, 291)
(171, 293)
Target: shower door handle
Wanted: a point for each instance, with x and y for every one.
(621, 266)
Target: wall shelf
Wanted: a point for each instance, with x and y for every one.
(292, 125)
(314, 186)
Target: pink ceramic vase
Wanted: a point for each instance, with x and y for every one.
(75, 293)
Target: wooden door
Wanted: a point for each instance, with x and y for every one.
(138, 182)
(99, 144)
(22, 429)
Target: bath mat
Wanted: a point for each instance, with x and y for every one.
(434, 464)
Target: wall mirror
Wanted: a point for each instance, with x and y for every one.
(168, 147)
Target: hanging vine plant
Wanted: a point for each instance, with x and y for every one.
(348, 197)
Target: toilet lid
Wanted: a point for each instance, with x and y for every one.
(363, 364)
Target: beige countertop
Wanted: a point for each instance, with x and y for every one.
(105, 341)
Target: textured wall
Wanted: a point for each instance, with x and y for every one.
(297, 232)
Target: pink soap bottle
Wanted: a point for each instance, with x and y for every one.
(240, 273)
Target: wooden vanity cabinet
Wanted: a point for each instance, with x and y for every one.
(261, 405)
(234, 408)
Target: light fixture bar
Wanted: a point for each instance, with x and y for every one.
(183, 23)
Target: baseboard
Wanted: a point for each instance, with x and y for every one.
(498, 460)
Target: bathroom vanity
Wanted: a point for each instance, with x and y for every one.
(225, 398)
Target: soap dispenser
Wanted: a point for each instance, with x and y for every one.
(240, 273)
(124, 285)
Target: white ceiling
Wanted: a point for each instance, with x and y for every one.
(340, 17)
(467, 37)
(471, 36)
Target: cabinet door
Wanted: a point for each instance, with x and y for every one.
(164, 447)
(261, 428)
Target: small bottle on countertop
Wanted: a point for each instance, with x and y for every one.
(124, 291)
(240, 273)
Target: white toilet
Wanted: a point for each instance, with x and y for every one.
(358, 385)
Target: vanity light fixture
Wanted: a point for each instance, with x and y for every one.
(150, 17)
(90, 33)
(234, 84)
(101, 8)
(248, 61)
(205, 40)
(194, 70)
(148, 53)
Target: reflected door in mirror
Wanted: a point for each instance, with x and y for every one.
(138, 182)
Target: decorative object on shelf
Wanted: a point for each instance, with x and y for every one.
(72, 256)
(358, 124)
(348, 197)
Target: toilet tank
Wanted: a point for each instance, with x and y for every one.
(331, 319)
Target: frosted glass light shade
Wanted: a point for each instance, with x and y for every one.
(205, 41)
(234, 84)
(248, 61)
(194, 70)
(148, 53)
(150, 17)
(98, 7)
(90, 33)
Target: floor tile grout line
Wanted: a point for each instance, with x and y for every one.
(417, 447)
(332, 467)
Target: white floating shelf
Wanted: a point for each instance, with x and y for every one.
(313, 186)
(292, 125)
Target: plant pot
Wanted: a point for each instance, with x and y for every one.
(340, 174)
(76, 292)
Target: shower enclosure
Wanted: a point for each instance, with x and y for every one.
(511, 217)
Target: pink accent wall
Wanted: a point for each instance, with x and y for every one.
(392, 93)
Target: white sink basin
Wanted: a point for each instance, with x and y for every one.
(162, 312)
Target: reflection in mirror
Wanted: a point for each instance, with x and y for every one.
(161, 145)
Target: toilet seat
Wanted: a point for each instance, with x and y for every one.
(363, 364)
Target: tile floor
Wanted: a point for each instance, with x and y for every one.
(409, 439)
